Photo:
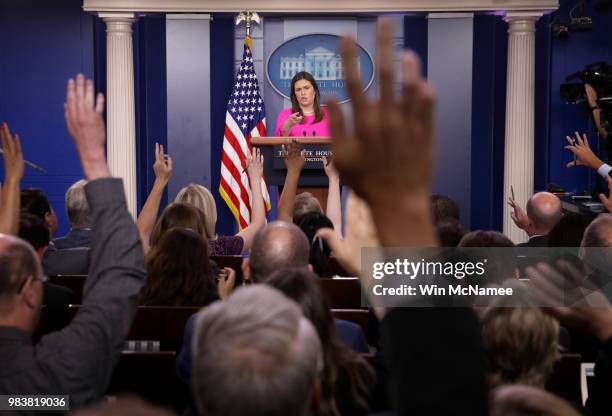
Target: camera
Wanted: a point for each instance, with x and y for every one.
(598, 75)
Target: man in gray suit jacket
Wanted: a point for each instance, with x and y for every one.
(78, 360)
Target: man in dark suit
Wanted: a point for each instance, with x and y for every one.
(543, 213)
(69, 255)
(33, 230)
(79, 218)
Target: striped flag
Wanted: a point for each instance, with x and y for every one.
(245, 118)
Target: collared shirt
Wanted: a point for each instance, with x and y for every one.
(604, 170)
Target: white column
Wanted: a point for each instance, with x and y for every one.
(518, 156)
(121, 124)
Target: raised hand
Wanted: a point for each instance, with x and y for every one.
(390, 150)
(519, 216)
(387, 157)
(12, 155)
(584, 156)
(294, 157)
(330, 169)
(607, 200)
(360, 233)
(13, 172)
(85, 122)
(163, 164)
(254, 164)
(291, 121)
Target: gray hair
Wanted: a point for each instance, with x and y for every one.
(594, 247)
(77, 207)
(255, 354)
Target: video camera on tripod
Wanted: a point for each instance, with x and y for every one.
(599, 76)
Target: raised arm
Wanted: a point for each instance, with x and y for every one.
(581, 149)
(334, 205)
(254, 167)
(294, 160)
(607, 200)
(89, 347)
(591, 96)
(520, 218)
(387, 157)
(13, 172)
(148, 215)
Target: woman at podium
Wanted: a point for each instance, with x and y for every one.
(305, 117)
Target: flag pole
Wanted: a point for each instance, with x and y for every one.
(248, 17)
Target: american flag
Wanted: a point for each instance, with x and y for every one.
(245, 118)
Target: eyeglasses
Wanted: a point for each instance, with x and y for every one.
(44, 278)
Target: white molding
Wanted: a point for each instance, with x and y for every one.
(523, 15)
(116, 15)
(317, 6)
(187, 16)
(450, 15)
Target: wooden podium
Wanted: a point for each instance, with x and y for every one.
(313, 178)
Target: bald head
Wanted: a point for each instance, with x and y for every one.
(276, 246)
(544, 211)
(17, 261)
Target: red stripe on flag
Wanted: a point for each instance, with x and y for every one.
(228, 190)
(234, 142)
(261, 129)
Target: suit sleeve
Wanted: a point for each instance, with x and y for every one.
(83, 355)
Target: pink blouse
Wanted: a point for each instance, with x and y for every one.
(308, 127)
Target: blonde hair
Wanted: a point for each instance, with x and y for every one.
(303, 204)
(521, 344)
(201, 198)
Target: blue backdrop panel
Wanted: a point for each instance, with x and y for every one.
(42, 44)
(221, 81)
(150, 87)
(453, 84)
(488, 118)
